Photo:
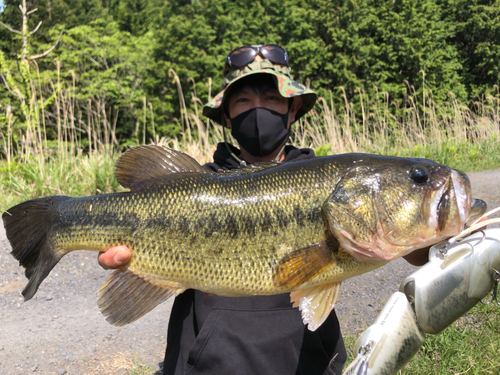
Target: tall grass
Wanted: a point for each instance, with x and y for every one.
(449, 133)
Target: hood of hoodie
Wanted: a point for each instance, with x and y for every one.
(224, 160)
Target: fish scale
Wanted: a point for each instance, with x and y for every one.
(266, 229)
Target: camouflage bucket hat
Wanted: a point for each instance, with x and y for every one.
(287, 87)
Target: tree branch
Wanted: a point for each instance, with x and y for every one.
(36, 28)
(94, 61)
(48, 51)
(8, 88)
(10, 28)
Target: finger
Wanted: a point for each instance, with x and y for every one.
(114, 257)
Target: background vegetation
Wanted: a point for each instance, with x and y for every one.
(122, 55)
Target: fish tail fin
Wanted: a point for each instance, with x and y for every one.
(26, 226)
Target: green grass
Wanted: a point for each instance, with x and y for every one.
(459, 154)
(469, 346)
(140, 368)
(76, 175)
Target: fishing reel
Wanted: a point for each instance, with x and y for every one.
(457, 277)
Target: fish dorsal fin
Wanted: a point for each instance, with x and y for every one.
(301, 265)
(125, 296)
(140, 164)
(251, 168)
(316, 303)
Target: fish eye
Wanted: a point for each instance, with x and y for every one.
(419, 175)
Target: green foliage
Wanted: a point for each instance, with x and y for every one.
(392, 47)
(323, 150)
(476, 38)
(402, 53)
(110, 67)
(52, 13)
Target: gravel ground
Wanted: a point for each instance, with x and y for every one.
(62, 331)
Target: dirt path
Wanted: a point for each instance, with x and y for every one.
(62, 331)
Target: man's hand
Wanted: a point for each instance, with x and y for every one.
(114, 257)
(421, 256)
(418, 257)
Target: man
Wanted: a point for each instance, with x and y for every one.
(249, 335)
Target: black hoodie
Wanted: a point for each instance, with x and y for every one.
(224, 160)
(248, 335)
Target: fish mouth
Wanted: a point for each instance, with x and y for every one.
(477, 210)
(455, 208)
(451, 207)
(461, 187)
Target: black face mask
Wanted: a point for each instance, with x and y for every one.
(260, 131)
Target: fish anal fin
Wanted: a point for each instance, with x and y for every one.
(301, 265)
(316, 303)
(148, 163)
(126, 296)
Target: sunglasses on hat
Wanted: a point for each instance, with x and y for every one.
(242, 56)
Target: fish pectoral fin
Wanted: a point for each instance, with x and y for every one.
(147, 163)
(301, 265)
(125, 296)
(316, 303)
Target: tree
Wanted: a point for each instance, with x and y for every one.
(476, 37)
(22, 88)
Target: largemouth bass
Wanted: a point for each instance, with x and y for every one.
(300, 227)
